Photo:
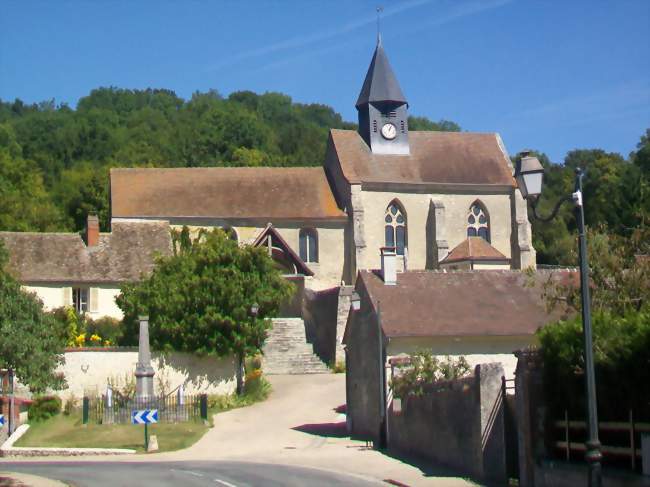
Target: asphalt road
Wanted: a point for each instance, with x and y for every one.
(190, 474)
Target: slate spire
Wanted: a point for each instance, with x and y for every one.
(380, 84)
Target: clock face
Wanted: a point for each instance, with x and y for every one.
(389, 131)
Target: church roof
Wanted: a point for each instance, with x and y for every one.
(380, 83)
(120, 256)
(474, 249)
(263, 193)
(450, 158)
(462, 303)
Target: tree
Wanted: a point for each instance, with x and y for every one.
(31, 341)
(199, 299)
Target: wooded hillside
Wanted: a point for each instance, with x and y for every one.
(54, 160)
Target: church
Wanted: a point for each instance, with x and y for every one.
(427, 194)
(438, 201)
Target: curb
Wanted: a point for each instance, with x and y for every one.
(9, 450)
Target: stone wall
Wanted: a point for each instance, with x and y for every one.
(90, 370)
(320, 315)
(456, 423)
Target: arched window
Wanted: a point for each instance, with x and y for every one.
(232, 233)
(395, 227)
(478, 222)
(308, 245)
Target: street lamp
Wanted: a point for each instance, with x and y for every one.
(529, 175)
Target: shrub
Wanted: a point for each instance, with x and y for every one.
(44, 407)
(422, 368)
(621, 359)
(71, 403)
(109, 329)
(338, 367)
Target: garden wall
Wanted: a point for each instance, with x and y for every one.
(457, 423)
(88, 370)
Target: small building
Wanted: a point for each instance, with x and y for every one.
(64, 269)
(481, 315)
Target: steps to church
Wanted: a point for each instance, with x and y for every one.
(286, 350)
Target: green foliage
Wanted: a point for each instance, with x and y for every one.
(622, 364)
(423, 368)
(338, 367)
(620, 280)
(199, 299)
(31, 341)
(256, 389)
(77, 325)
(54, 160)
(616, 194)
(44, 407)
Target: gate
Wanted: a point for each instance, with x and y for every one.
(510, 428)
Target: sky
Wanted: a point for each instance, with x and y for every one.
(549, 75)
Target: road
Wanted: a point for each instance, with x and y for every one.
(299, 426)
(187, 474)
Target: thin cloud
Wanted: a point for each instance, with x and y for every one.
(465, 10)
(302, 41)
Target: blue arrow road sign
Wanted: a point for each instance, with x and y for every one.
(2, 419)
(144, 416)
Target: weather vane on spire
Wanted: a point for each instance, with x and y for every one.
(379, 9)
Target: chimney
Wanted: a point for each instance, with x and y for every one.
(389, 266)
(92, 231)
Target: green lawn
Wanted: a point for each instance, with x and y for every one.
(68, 432)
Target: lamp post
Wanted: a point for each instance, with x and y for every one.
(530, 175)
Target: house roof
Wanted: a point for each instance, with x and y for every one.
(460, 303)
(380, 83)
(121, 256)
(450, 158)
(474, 249)
(220, 192)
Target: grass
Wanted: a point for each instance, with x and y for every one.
(67, 431)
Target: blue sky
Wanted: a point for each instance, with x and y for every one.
(551, 75)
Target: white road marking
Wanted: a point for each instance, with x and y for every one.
(223, 482)
(196, 474)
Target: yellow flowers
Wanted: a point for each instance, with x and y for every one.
(80, 340)
(94, 340)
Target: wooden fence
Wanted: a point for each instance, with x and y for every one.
(623, 438)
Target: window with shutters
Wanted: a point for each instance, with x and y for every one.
(80, 297)
(395, 227)
(478, 221)
(308, 245)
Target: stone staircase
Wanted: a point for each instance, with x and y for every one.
(286, 350)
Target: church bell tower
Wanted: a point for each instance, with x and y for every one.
(383, 110)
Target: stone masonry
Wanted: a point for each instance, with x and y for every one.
(287, 352)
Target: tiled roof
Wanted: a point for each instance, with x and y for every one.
(461, 303)
(121, 256)
(219, 192)
(451, 158)
(474, 249)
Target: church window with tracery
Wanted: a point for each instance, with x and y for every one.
(478, 223)
(395, 228)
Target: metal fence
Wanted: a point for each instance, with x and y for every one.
(171, 408)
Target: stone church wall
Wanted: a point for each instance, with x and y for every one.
(418, 216)
(328, 271)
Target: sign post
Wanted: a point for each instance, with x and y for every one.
(145, 416)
